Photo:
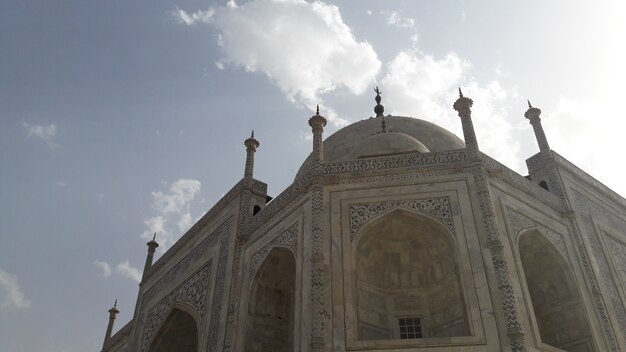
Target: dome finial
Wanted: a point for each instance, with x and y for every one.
(154, 237)
(460, 93)
(115, 304)
(379, 109)
(529, 105)
(317, 110)
(252, 135)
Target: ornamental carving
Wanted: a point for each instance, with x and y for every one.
(589, 208)
(394, 162)
(192, 293)
(288, 238)
(438, 208)
(168, 279)
(618, 250)
(188, 291)
(520, 222)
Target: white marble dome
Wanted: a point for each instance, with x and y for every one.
(404, 135)
(387, 143)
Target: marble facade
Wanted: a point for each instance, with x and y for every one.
(394, 245)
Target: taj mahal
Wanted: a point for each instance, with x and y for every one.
(395, 235)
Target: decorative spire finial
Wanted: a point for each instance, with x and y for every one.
(154, 237)
(317, 110)
(529, 105)
(460, 93)
(379, 109)
(115, 304)
(252, 135)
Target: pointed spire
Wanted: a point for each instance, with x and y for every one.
(152, 246)
(463, 106)
(317, 123)
(378, 109)
(112, 315)
(251, 145)
(532, 114)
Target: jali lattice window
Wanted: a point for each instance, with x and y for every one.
(410, 328)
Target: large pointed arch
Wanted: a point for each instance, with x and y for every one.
(406, 279)
(178, 333)
(271, 304)
(559, 311)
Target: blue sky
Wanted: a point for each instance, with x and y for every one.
(121, 118)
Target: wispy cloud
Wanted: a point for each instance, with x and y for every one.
(104, 267)
(202, 16)
(173, 208)
(130, 272)
(323, 56)
(10, 289)
(46, 133)
(393, 18)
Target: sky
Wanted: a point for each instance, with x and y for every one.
(119, 119)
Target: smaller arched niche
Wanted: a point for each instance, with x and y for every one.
(557, 304)
(407, 280)
(271, 304)
(179, 333)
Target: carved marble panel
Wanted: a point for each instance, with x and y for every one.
(590, 208)
(520, 222)
(438, 208)
(192, 292)
(618, 251)
(288, 238)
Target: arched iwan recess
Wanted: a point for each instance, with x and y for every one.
(179, 333)
(558, 307)
(271, 307)
(407, 282)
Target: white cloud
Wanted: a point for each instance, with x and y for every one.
(304, 48)
(10, 289)
(199, 16)
(125, 269)
(61, 184)
(393, 18)
(104, 266)
(173, 209)
(177, 200)
(420, 85)
(45, 133)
